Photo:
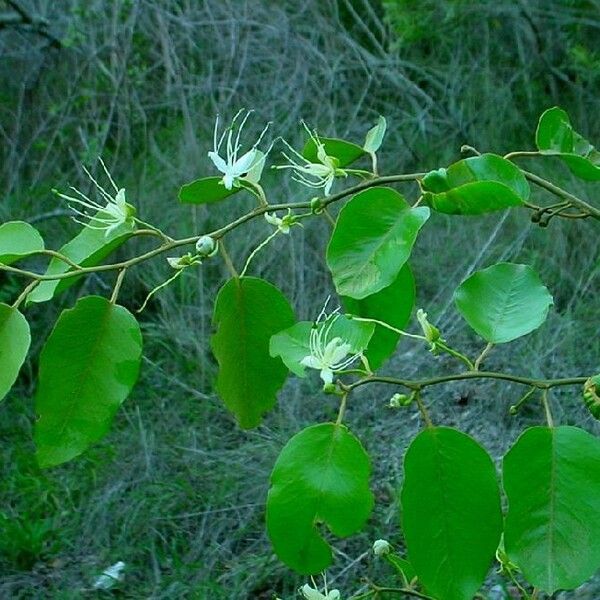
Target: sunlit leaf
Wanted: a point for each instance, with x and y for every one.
(552, 528)
(372, 240)
(15, 340)
(475, 185)
(555, 135)
(18, 240)
(503, 302)
(345, 152)
(451, 516)
(88, 367)
(248, 311)
(205, 191)
(321, 476)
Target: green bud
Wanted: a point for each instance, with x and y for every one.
(400, 400)
(206, 246)
(431, 333)
(591, 395)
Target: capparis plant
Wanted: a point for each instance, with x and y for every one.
(540, 519)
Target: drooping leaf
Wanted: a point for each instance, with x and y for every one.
(375, 136)
(88, 367)
(475, 185)
(15, 340)
(392, 305)
(321, 476)
(18, 240)
(248, 311)
(556, 136)
(451, 516)
(87, 249)
(293, 344)
(503, 302)
(205, 191)
(552, 528)
(372, 240)
(345, 152)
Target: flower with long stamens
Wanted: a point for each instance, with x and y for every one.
(315, 175)
(283, 224)
(235, 167)
(328, 353)
(109, 216)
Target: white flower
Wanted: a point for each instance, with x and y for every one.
(327, 354)
(283, 224)
(108, 217)
(110, 576)
(182, 262)
(234, 168)
(311, 594)
(314, 175)
(381, 547)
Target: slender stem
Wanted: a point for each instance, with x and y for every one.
(28, 288)
(482, 356)
(227, 259)
(514, 409)
(393, 590)
(342, 409)
(328, 216)
(387, 326)
(61, 257)
(257, 250)
(164, 284)
(118, 284)
(456, 354)
(547, 410)
(519, 153)
(423, 409)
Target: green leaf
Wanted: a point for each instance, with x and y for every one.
(375, 136)
(18, 240)
(345, 152)
(87, 249)
(475, 185)
(15, 340)
(88, 367)
(451, 516)
(205, 191)
(552, 528)
(556, 136)
(372, 240)
(248, 311)
(503, 302)
(392, 305)
(321, 476)
(293, 344)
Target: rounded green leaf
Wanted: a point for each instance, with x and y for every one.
(205, 191)
(372, 240)
(555, 135)
(451, 515)
(293, 344)
(15, 340)
(321, 476)
(392, 305)
(88, 367)
(248, 311)
(18, 240)
(345, 152)
(475, 185)
(552, 527)
(503, 302)
(87, 249)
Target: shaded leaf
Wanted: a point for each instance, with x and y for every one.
(552, 528)
(451, 516)
(345, 152)
(15, 340)
(248, 311)
(321, 476)
(206, 191)
(18, 240)
(88, 367)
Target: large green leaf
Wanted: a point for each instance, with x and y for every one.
(15, 340)
(248, 311)
(556, 136)
(293, 344)
(87, 249)
(552, 528)
(451, 515)
(88, 367)
(475, 185)
(321, 476)
(503, 302)
(17, 240)
(205, 191)
(392, 305)
(372, 239)
(345, 152)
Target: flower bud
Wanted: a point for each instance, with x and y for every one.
(206, 246)
(381, 547)
(399, 400)
(431, 333)
(591, 395)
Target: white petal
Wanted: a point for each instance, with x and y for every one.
(339, 353)
(311, 361)
(218, 161)
(327, 376)
(242, 165)
(120, 198)
(228, 181)
(328, 185)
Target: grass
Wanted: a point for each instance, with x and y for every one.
(176, 490)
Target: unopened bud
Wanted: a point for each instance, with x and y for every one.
(206, 246)
(381, 547)
(399, 400)
(431, 333)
